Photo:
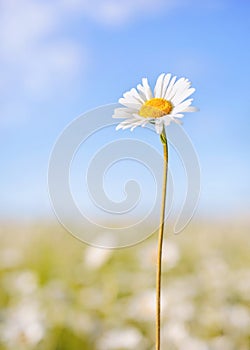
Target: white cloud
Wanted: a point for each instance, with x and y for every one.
(35, 58)
(117, 12)
(36, 55)
(34, 51)
(23, 23)
(120, 12)
(52, 64)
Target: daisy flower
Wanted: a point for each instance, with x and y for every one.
(167, 104)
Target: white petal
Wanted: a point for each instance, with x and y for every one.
(179, 115)
(141, 91)
(167, 120)
(147, 90)
(130, 104)
(146, 122)
(131, 123)
(130, 100)
(134, 95)
(123, 112)
(165, 84)
(169, 89)
(159, 126)
(180, 107)
(185, 85)
(117, 116)
(191, 109)
(142, 96)
(177, 89)
(141, 123)
(124, 126)
(143, 119)
(182, 96)
(128, 121)
(158, 86)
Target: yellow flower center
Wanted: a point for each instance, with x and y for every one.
(155, 108)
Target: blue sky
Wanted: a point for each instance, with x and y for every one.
(61, 58)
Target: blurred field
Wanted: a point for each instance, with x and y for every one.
(59, 294)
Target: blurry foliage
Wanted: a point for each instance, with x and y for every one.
(60, 294)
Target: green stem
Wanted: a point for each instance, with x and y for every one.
(160, 241)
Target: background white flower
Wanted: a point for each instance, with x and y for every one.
(168, 103)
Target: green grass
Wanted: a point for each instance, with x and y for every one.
(59, 294)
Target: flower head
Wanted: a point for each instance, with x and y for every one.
(168, 103)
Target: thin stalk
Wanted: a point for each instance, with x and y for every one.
(160, 242)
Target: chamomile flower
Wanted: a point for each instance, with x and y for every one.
(166, 104)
